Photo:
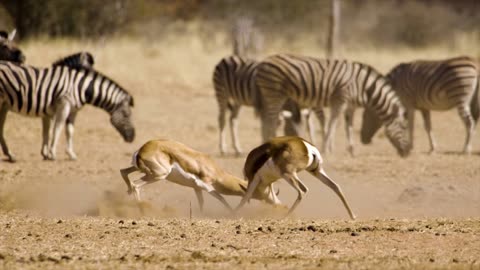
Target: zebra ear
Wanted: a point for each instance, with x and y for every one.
(11, 36)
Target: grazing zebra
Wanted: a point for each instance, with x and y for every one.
(316, 83)
(76, 60)
(234, 84)
(434, 85)
(247, 39)
(8, 50)
(56, 92)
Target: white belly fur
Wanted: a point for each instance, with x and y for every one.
(269, 172)
(181, 177)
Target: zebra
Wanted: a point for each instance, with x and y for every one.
(339, 84)
(8, 50)
(234, 84)
(434, 85)
(56, 92)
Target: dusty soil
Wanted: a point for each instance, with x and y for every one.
(419, 212)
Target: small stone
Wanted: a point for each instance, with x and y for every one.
(238, 227)
(217, 221)
(150, 224)
(354, 234)
(238, 232)
(312, 228)
(183, 235)
(134, 223)
(59, 221)
(121, 222)
(68, 235)
(260, 229)
(431, 260)
(332, 251)
(455, 260)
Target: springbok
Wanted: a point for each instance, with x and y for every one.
(284, 157)
(173, 161)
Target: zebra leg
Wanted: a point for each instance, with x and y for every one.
(221, 125)
(46, 120)
(411, 124)
(310, 127)
(62, 112)
(321, 120)
(328, 142)
(69, 133)
(349, 128)
(234, 129)
(270, 119)
(427, 121)
(3, 117)
(467, 118)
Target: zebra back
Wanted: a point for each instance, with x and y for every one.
(436, 85)
(34, 91)
(77, 60)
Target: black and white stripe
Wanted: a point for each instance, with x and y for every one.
(434, 86)
(55, 93)
(234, 84)
(339, 84)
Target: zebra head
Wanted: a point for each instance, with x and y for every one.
(8, 50)
(397, 133)
(121, 119)
(371, 123)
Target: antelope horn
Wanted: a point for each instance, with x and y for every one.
(11, 36)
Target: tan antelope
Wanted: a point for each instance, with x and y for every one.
(173, 161)
(284, 157)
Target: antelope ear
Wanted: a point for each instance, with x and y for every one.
(11, 36)
(3, 34)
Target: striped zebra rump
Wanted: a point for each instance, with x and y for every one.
(233, 81)
(339, 84)
(436, 85)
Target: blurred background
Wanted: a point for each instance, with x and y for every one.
(391, 23)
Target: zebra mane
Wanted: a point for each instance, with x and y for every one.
(80, 60)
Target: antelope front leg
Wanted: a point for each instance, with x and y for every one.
(250, 189)
(62, 112)
(125, 172)
(322, 176)
(3, 117)
(298, 185)
(328, 142)
(200, 200)
(69, 133)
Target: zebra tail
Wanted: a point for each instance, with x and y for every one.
(475, 103)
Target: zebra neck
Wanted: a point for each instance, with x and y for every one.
(104, 93)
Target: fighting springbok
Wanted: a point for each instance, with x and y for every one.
(173, 161)
(284, 157)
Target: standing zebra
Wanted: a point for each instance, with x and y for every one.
(316, 83)
(56, 92)
(8, 50)
(434, 85)
(234, 84)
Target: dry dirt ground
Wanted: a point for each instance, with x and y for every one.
(421, 212)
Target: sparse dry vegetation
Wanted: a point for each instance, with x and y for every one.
(421, 212)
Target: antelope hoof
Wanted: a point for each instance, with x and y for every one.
(11, 159)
